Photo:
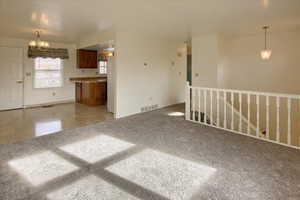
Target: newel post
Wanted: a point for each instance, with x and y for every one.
(187, 101)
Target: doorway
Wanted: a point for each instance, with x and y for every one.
(11, 78)
(106, 68)
(189, 68)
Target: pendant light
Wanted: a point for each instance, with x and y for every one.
(266, 53)
(38, 42)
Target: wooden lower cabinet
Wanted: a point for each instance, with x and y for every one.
(78, 92)
(91, 93)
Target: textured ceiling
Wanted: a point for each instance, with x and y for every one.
(70, 20)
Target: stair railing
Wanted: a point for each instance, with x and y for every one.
(266, 116)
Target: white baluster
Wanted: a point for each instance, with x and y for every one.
(257, 115)
(205, 113)
(218, 108)
(193, 103)
(249, 121)
(240, 109)
(225, 110)
(199, 104)
(187, 101)
(232, 111)
(211, 107)
(278, 126)
(268, 117)
(289, 121)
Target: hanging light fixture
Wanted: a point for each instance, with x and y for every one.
(38, 42)
(266, 53)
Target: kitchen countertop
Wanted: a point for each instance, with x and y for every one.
(88, 79)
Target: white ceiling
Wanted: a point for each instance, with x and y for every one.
(70, 20)
(102, 46)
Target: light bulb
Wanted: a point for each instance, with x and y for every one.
(266, 54)
(40, 43)
(32, 43)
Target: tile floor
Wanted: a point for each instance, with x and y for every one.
(22, 124)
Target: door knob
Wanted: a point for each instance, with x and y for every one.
(20, 81)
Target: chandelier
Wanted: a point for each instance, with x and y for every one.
(38, 42)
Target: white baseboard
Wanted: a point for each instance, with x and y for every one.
(49, 103)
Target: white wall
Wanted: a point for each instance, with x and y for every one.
(235, 63)
(157, 83)
(96, 38)
(178, 76)
(205, 60)
(41, 96)
(244, 69)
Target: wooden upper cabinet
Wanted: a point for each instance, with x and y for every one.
(87, 59)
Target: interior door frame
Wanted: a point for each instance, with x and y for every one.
(23, 73)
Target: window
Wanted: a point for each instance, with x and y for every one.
(48, 73)
(102, 67)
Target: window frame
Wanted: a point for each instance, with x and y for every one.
(48, 70)
(99, 65)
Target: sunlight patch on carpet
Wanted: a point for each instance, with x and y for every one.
(170, 176)
(96, 148)
(42, 167)
(176, 114)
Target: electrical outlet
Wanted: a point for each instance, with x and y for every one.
(149, 108)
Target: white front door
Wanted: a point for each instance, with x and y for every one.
(11, 78)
